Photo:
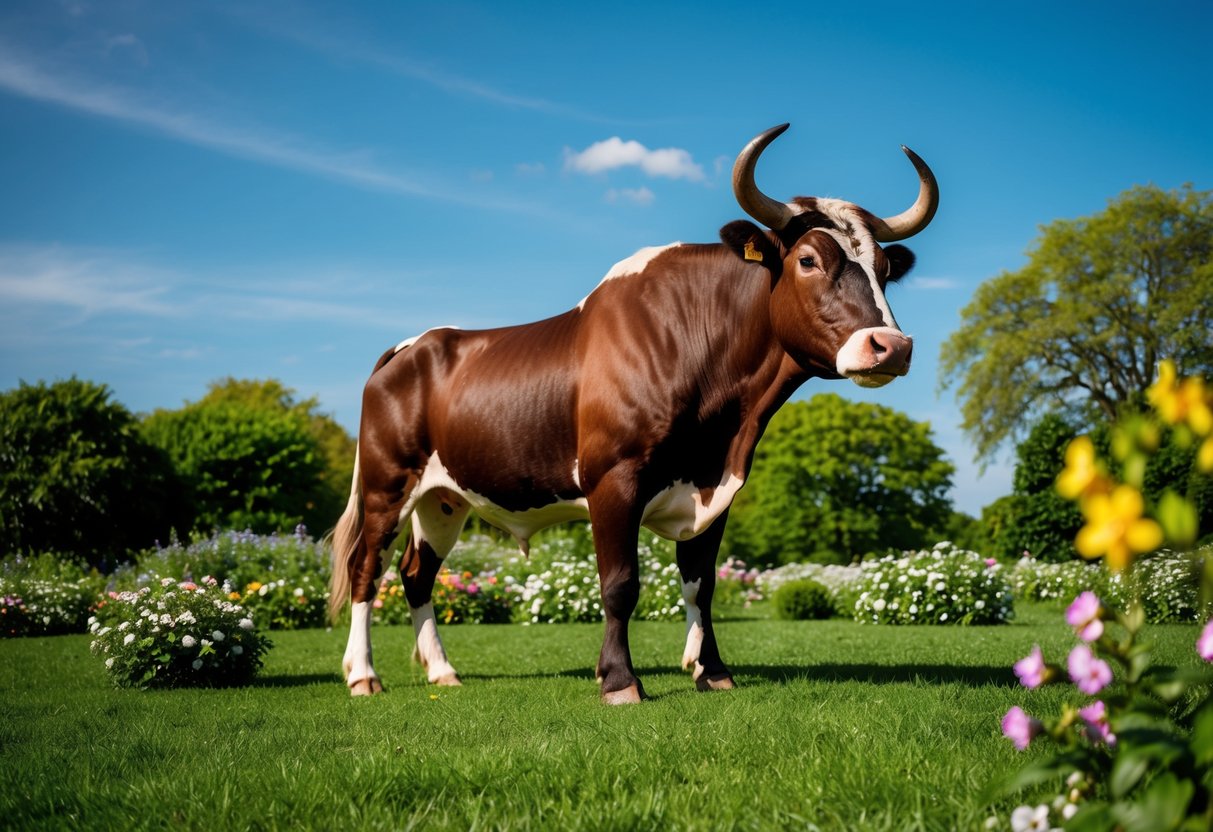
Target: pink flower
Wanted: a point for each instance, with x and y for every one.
(1204, 644)
(1032, 669)
(377, 603)
(473, 589)
(1095, 716)
(1020, 728)
(991, 562)
(1084, 615)
(1091, 674)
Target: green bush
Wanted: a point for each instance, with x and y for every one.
(76, 475)
(802, 600)
(177, 634)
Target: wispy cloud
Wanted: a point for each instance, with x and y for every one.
(639, 196)
(612, 153)
(934, 283)
(23, 77)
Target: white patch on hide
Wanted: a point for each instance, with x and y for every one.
(408, 342)
(428, 649)
(690, 594)
(636, 264)
(357, 662)
(680, 512)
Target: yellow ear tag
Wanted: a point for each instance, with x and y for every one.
(750, 253)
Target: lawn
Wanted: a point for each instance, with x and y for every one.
(835, 725)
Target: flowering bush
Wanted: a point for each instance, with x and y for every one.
(840, 581)
(286, 604)
(173, 634)
(1138, 757)
(458, 597)
(1167, 584)
(565, 591)
(943, 585)
(736, 584)
(45, 595)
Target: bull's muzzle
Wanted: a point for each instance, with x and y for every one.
(875, 356)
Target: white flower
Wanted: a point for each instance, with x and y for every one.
(237, 650)
(218, 635)
(246, 623)
(197, 664)
(1027, 819)
(188, 641)
(129, 638)
(943, 617)
(123, 625)
(878, 604)
(298, 592)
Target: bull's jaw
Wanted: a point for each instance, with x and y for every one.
(874, 356)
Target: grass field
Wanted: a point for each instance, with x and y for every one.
(834, 725)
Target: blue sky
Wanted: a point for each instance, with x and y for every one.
(192, 190)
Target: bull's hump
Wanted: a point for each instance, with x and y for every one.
(634, 265)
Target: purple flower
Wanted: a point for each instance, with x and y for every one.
(1085, 616)
(1095, 718)
(1020, 728)
(1032, 669)
(1091, 674)
(1204, 644)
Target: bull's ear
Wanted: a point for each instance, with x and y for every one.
(751, 243)
(901, 260)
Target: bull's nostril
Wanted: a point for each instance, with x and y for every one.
(877, 346)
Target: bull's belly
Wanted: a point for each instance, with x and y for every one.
(678, 512)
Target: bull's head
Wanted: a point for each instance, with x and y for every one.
(828, 305)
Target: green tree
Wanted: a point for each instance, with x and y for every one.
(834, 479)
(76, 475)
(335, 446)
(1042, 522)
(243, 466)
(1080, 329)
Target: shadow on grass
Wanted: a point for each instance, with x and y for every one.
(975, 676)
(286, 680)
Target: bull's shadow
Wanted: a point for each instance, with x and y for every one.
(782, 674)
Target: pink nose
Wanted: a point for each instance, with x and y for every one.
(888, 351)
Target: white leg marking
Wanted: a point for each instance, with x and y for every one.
(429, 646)
(357, 661)
(690, 654)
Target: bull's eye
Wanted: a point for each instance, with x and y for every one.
(807, 262)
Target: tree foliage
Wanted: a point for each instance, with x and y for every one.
(834, 479)
(251, 457)
(76, 475)
(1082, 327)
(1043, 523)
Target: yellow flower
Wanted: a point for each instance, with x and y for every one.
(450, 613)
(1116, 529)
(1204, 458)
(1082, 474)
(1181, 401)
(253, 587)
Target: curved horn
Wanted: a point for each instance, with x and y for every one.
(769, 212)
(915, 218)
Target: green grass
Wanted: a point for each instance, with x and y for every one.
(834, 724)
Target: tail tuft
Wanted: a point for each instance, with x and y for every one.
(342, 542)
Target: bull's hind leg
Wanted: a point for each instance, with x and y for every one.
(697, 566)
(381, 524)
(437, 521)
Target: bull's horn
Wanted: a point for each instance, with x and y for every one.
(769, 212)
(915, 218)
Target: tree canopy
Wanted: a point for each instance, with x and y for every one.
(1080, 329)
(834, 479)
(76, 476)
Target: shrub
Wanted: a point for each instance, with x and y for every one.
(45, 595)
(839, 581)
(802, 600)
(76, 476)
(943, 585)
(174, 634)
(736, 584)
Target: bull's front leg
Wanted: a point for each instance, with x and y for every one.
(697, 566)
(616, 524)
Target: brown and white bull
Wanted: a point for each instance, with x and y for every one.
(639, 407)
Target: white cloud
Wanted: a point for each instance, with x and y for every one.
(612, 153)
(87, 282)
(640, 196)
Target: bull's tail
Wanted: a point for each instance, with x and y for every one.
(343, 540)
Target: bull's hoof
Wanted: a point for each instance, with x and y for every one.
(449, 680)
(366, 687)
(627, 696)
(722, 681)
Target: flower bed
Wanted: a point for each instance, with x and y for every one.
(943, 585)
(45, 595)
(177, 633)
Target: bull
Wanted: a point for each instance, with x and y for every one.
(640, 407)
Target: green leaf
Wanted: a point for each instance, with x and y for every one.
(1161, 809)
(1127, 772)
(1043, 770)
(1178, 519)
(1201, 741)
(1091, 817)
